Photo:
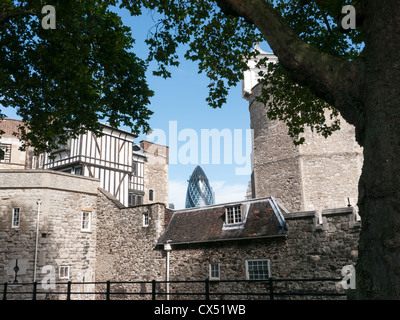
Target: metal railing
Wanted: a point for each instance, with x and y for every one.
(204, 289)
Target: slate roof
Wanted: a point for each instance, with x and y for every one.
(262, 218)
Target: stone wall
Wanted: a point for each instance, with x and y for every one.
(155, 172)
(309, 250)
(16, 159)
(320, 174)
(126, 249)
(119, 247)
(61, 241)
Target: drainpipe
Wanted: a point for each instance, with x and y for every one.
(39, 202)
(167, 248)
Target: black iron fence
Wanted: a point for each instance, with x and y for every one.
(271, 289)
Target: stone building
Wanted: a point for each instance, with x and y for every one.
(86, 235)
(134, 173)
(319, 174)
(47, 218)
(105, 218)
(11, 157)
(256, 239)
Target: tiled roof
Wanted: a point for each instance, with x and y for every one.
(262, 218)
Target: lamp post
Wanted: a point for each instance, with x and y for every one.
(167, 248)
(39, 202)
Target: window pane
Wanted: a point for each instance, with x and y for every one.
(64, 272)
(145, 219)
(214, 271)
(15, 217)
(85, 220)
(257, 269)
(233, 215)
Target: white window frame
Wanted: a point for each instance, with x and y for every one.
(146, 218)
(4, 151)
(232, 217)
(64, 272)
(14, 213)
(83, 219)
(263, 276)
(212, 271)
(7, 152)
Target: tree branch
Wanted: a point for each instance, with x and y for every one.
(6, 15)
(328, 77)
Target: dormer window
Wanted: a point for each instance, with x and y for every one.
(233, 215)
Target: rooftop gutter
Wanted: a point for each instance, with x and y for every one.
(283, 235)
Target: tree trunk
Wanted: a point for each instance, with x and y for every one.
(378, 266)
(367, 93)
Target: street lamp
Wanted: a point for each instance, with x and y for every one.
(167, 248)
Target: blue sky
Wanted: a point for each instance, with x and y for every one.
(179, 103)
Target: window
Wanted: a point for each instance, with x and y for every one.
(5, 153)
(151, 194)
(145, 219)
(214, 271)
(85, 221)
(63, 272)
(16, 215)
(134, 199)
(131, 199)
(257, 269)
(134, 168)
(233, 215)
(78, 171)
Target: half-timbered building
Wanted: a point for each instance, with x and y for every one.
(113, 158)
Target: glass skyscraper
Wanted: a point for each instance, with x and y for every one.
(199, 192)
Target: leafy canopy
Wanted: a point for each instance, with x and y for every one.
(221, 43)
(86, 70)
(63, 81)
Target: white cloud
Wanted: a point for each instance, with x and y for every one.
(177, 193)
(228, 192)
(224, 193)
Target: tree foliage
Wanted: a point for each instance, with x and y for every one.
(222, 42)
(63, 81)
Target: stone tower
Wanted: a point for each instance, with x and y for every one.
(320, 174)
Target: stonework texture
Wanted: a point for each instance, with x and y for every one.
(155, 172)
(122, 244)
(320, 174)
(16, 158)
(307, 251)
(61, 242)
(126, 248)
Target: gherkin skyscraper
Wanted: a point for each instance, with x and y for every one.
(199, 192)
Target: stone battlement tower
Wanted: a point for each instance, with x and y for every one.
(322, 173)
